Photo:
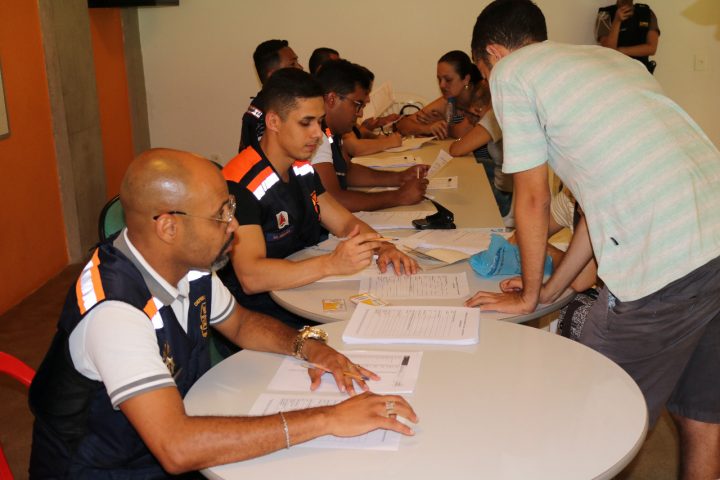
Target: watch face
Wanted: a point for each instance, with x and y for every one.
(315, 333)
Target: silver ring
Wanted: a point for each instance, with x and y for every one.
(390, 409)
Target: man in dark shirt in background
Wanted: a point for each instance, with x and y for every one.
(269, 56)
(629, 29)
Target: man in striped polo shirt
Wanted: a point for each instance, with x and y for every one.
(647, 178)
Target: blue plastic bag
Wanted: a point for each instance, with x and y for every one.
(501, 258)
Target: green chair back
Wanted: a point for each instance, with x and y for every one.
(112, 219)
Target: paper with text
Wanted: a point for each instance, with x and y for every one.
(391, 220)
(430, 286)
(396, 161)
(467, 240)
(411, 144)
(430, 325)
(398, 372)
(381, 99)
(442, 183)
(441, 160)
(272, 403)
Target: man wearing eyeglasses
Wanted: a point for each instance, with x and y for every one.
(133, 338)
(346, 88)
(283, 206)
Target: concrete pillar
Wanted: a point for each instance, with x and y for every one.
(76, 119)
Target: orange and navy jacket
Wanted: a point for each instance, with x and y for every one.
(77, 432)
(288, 223)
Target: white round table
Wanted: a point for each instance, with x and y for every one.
(307, 301)
(521, 404)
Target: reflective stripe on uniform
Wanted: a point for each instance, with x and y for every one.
(88, 289)
(152, 310)
(302, 168)
(262, 182)
(241, 164)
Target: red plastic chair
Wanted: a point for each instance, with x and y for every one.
(24, 374)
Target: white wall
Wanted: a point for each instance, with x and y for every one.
(198, 56)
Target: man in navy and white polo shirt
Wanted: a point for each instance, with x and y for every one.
(133, 338)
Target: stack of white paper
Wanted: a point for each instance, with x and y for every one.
(429, 286)
(424, 325)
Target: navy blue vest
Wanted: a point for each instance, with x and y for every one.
(253, 124)
(339, 163)
(77, 433)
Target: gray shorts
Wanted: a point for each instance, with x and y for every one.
(668, 342)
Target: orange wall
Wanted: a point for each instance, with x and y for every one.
(112, 91)
(32, 234)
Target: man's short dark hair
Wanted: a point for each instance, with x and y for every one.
(267, 57)
(284, 87)
(342, 77)
(510, 23)
(320, 56)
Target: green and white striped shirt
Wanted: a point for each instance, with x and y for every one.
(646, 176)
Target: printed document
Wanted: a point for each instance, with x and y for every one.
(427, 325)
(441, 160)
(411, 144)
(467, 240)
(391, 220)
(398, 372)
(381, 99)
(272, 403)
(421, 285)
(442, 183)
(397, 161)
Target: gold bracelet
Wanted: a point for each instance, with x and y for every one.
(285, 429)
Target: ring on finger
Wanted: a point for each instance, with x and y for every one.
(390, 409)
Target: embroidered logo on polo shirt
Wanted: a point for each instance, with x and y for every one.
(313, 197)
(202, 301)
(282, 219)
(167, 359)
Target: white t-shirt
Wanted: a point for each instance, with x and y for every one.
(323, 154)
(116, 343)
(503, 181)
(562, 208)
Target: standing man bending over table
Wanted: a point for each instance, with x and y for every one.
(346, 87)
(133, 338)
(648, 181)
(282, 205)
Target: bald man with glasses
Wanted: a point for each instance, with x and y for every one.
(133, 339)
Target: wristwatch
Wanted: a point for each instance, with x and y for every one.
(312, 333)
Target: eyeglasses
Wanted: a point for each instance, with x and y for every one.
(226, 215)
(358, 104)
